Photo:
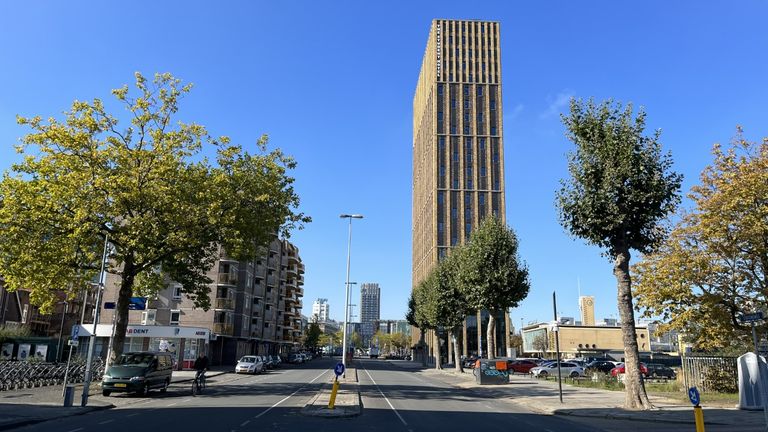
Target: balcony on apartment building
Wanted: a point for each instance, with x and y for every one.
(223, 329)
(224, 303)
(227, 279)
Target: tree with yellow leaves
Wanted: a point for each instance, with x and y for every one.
(712, 269)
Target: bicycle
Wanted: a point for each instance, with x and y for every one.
(198, 384)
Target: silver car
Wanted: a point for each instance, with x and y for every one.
(566, 369)
(250, 364)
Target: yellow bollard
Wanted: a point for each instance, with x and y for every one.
(332, 402)
(698, 414)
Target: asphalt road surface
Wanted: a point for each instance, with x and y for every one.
(393, 399)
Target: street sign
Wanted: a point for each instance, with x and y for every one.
(752, 317)
(73, 343)
(694, 396)
(339, 369)
(136, 303)
(75, 332)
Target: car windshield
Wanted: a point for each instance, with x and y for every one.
(135, 359)
(248, 360)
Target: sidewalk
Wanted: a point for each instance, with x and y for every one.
(542, 397)
(347, 398)
(34, 405)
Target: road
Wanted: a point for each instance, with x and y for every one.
(394, 400)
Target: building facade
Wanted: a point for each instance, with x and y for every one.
(255, 309)
(577, 341)
(320, 310)
(458, 152)
(370, 307)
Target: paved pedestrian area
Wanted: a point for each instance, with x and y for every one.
(543, 397)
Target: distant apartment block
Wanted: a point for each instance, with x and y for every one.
(320, 310)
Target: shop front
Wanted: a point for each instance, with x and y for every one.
(184, 343)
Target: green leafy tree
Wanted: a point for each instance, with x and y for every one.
(356, 340)
(621, 188)
(713, 266)
(312, 336)
(419, 312)
(450, 306)
(147, 188)
(490, 274)
(540, 343)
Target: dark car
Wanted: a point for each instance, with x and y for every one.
(521, 366)
(656, 370)
(138, 372)
(600, 366)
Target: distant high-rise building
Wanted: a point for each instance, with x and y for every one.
(370, 303)
(320, 310)
(587, 308)
(458, 151)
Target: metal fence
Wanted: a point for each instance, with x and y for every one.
(19, 374)
(710, 373)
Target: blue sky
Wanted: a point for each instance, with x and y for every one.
(332, 84)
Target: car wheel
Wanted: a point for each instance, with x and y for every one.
(574, 374)
(144, 391)
(542, 374)
(106, 393)
(164, 389)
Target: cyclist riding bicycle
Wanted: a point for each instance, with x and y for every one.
(201, 365)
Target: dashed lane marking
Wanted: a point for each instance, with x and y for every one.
(290, 395)
(107, 421)
(385, 398)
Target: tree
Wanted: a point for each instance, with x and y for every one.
(490, 274)
(312, 336)
(148, 189)
(356, 340)
(400, 341)
(441, 303)
(541, 343)
(421, 310)
(516, 342)
(620, 189)
(713, 266)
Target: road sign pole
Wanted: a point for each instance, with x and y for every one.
(92, 342)
(557, 347)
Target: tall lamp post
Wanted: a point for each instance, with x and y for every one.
(346, 296)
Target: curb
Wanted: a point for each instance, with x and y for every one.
(27, 422)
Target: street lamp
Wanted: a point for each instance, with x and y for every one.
(346, 296)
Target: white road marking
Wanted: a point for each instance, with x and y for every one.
(289, 396)
(75, 430)
(385, 398)
(107, 421)
(132, 415)
(244, 423)
(170, 405)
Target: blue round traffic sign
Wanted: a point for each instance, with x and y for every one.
(694, 396)
(339, 369)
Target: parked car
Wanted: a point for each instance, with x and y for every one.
(295, 358)
(469, 362)
(600, 366)
(657, 370)
(566, 369)
(277, 360)
(619, 369)
(250, 364)
(521, 366)
(138, 372)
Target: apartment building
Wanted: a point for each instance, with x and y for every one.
(255, 309)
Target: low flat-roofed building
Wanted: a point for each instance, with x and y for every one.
(578, 341)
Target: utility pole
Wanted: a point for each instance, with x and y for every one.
(556, 330)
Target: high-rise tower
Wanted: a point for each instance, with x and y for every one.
(370, 305)
(458, 153)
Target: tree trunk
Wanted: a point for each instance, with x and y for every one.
(635, 397)
(456, 353)
(479, 334)
(422, 348)
(436, 339)
(491, 335)
(121, 308)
